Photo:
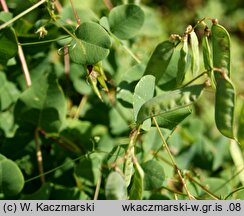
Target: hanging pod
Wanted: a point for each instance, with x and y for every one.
(207, 56)
(221, 49)
(182, 63)
(195, 53)
(224, 106)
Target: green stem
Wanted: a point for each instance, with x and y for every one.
(126, 48)
(196, 78)
(39, 156)
(43, 42)
(172, 159)
(203, 188)
(22, 14)
(128, 164)
(236, 190)
(56, 168)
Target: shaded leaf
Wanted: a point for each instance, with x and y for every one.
(42, 105)
(154, 175)
(8, 45)
(8, 92)
(12, 179)
(87, 171)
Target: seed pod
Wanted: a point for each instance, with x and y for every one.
(221, 49)
(169, 101)
(182, 63)
(207, 56)
(224, 106)
(195, 53)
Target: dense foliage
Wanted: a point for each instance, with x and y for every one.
(121, 99)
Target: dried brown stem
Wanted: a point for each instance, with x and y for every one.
(4, 6)
(75, 12)
(108, 4)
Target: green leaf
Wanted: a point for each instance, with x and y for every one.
(87, 171)
(154, 175)
(171, 119)
(144, 91)
(8, 92)
(42, 105)
(115, 188)
(169, 101)
(5, 16)
(160, 60)
(8, 47)
(126, 20)
(137, 184)
(11, 177)
(43, 193)
(91, 45)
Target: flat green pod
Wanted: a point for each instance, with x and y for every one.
(195, 66)
(169, 101)
(224, 106)
(183, 61)
(221, 49)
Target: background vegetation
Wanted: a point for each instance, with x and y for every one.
(59, 140)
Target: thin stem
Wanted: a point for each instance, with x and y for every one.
(20, 52)
(126, 48)
(24, 66)
(75, 12)
(39, 156)
(203, 187)
(81, 105)
(66, 61)
(197, 77)
(131, 53)
(234, 191)
(22, 14)
(97, 187)
(58, 6)
(4, 6)
(56, 168)
(172, 159)
(128, 163)
(161, 147)
(43, 42)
